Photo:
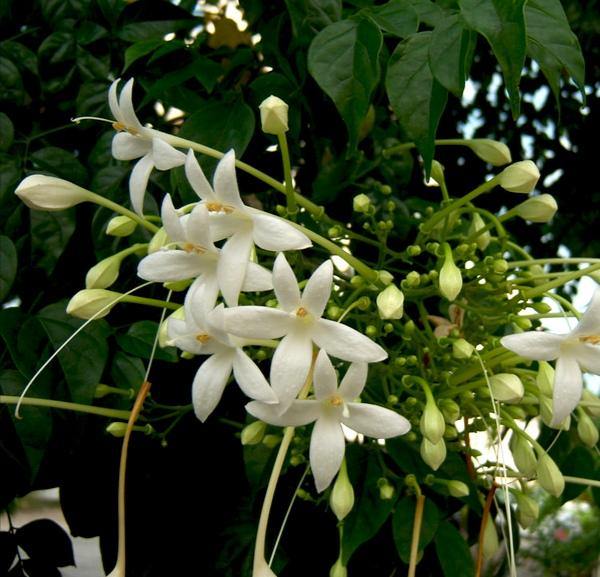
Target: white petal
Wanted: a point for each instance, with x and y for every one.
(289, 366)
(138, 181)
(257, 322)
(324, 379)
(327, 447)
(568, 384)
(589, 325)
(285, 284)
(223, 226)
(318, 289)
(209, 383)
(200, 299)
(534, 345)
(171, 220)
(233, 262)
(165, 156)
(171, 265)
(588, 357)
(113, 101)
(257, 278)
(298, 414)
(128, 116)
(197, 228)
(251, 380)
(225, 182)
(376, 422)
(197, 179)
(274, 233)
(354, 380)
(346, 343)
(125, 146)
(181, 337)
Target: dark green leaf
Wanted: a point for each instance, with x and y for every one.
(398, 17)
(90, 32)
(7, 132)
(8, 265)
(46, 541)
(92, 68)
(11, 82)
(344, 60)
(10, 174)
(453, 552)
(111, 179)
(580, 462)
(91, 99)
(22, 56)
(552, 45)
(416, 97)
(58, 47)
(428, 12)
(153, 29)
(60, 163)
(127, 372)
(24, 355)
(50, 233)
(141, 49)
(503, 26)
(139, 339)
(403, 521)
(310, 16)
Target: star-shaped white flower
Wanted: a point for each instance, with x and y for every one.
(245, 226)
(299, 319)
(196, 334)
(574, 352)
(137, 141)
(332, 407)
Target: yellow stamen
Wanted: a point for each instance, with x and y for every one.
(203, 338)
(336, 401)
(592, 339)
(218, 207)
(120, 127)
(301, 312)
(191, 247)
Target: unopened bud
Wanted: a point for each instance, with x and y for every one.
(507, 387)
(537, 208)
(104, 274)
(547, 414)
(434, 454)
(338, 570)
(386, 489)
(545, 379)
(274, 115)
(490, 539)
(587, 430)
(159, 240)
(361, 203)
(437, 171)
(492, 151)
(385, 277)
(549, 476)
(462, 349)
(477, 224)
(390, 303)
(253, 433)
(592, 403)
(450, 279)
(458, 489)
(528, 510)
(341, 498)
(117, 429)
(521, 176)
(450, 409)
(523, 455)
(49, 193)
(271, 441)
(90, 303)
(432, 422)
(120, 226)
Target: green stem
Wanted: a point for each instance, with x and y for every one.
(537, 291)
(113, 413)
(520, 263)
(581, 481)
(292, 207)
(100, 200)
(150, 302)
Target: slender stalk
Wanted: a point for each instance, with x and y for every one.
(416, 534)
(558, 260)
(151, 302)
(97, 199)
(539, 290)
(287, 172)
(64, 405)
(484, 519)
(581, 481)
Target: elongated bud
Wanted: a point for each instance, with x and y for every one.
(341, 498)
(477, 224)
(88, 302)
(390, 303)
(545, 379)
(119, 428)
(450, 279)
(587, 430)
(549, 476)
(104, 274)
(507, 387)
(385, 277)
(386, 489)
(437, 172)
(528, 510)
(434, 454)
(49, 193)
(432, 422)
(120, 226)
(271, 441)
(274, 115)
(159, 240)
(492, 151)
(361, 203)
(462, 349)
(521, 176)
(593, 406)
(338, 570)
(523, 455)
(547, 414)
(450, 409)
(537, 208)
(253, 433)
(458, 489)
(490, 539)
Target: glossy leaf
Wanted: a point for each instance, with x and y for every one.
(453, 552)
(138, 341)
(8, 265)
(397, 17)
(428, 12)
(403, 522)
(61, 163)
(47, 542)
(580, 462)
(50, 233)
(310, 16)
(7, 132)
(127, 372)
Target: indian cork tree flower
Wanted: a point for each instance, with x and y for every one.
(539, 208)
(49, 193)
(574, 352)
(483, 239)
(298, 320)
(332, 407)
(245, 226)
(390, 303)
(521, 176)
(136, 141)
(450, 279)
(492, 151)
(274, 115)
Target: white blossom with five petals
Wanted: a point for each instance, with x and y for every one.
(574, 352)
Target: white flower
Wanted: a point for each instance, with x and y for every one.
(244, 225)
(137, 141)
(332, 407)
(574, 352)
(198, 335)
(49, 193)
(198, 257)
(298, 320)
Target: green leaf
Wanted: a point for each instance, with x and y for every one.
(61, 163)
(309, 17)
(89, 32)
(91, 99)
(23, 352)
(398, 17)
(57, 48)
(503, 26)
(137, 31)
(11, 82)
(416, 97)
(127, 372)
(110, 179)
(428, 13)
(92, 68)
(139, 339)
(8, 265)
(10, 174)
(552, 45)
(7, 132)
(141, 49)
(50, 233)
(580, 462)
(344, 60)
(453, 552)
(450, 53)
(22, 56)
(403, 521)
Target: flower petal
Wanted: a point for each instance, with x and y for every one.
(181, 337)
(171, 220)
(374, 421)
(225, 182)
(233, 263)
(589, 325)
(251, 380)
(588, 357)
(274, 233)
(138, 181)
(113, 101)
(209, 383)
(354, 381)
(257, 278)
(327, 445)
(318, 289)
(298, 414)
(201, 298)
(534, 345)
(127, 113)
(166, 156)
(125, 146)
(197, 179)
(254, 322)
(346, 343)
(568, 384)
(171, 265)
(197, 228)
(285, 284)
(324, 379)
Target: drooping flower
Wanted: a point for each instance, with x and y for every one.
(574, 352)
(298, 320)
(333, 406)
(136, 141)
(245, 226)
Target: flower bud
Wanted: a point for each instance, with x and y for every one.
(528, 510)
(521, 176)
(587, 430)
(120, 226)
(450, 409)
(549, 476)
(274, 115)
(437, 171)
(361, 203)
(432, 422)
(49, 193)
(102, 390)
(523, 455)
(103, 274)
(477, 224)
(490, 539)
(341, 498)
(159, 240)
(492, 151)
(90, 303)
(434, 454)
(338, 570)
(593, 406)
(117, 429)
(547, 414)
(390, 303)
(537, 208)
(386, 489)
(271, 441)
(450, 279)
(462, 349)
(458, 489)
(253, 433)
(507, 387)
(545, 379)
(385, 277)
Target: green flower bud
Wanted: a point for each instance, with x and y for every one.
(450, 409)
(120, 226)
(528, 510)
(434, 454)
(547, 414)
(545, 379)
(271, 441)
(390, 303)
(523, 455)
(102, 390)
(492, 151)
(338, 570)
(521, 176)
(477, 224)
(89, 303)
(334, 232)
(549, 476)
(587, 430)
(437, 172)
(507, 387)
(253, 433)
(432, 422)
(450, 279)
(500, 266)
(412, 280)
(490, 539)
(413, 250)
(386, 489)
(537, 208)
(334, 312)
(458, 489)
(593, 407)
(274, 115)
(159, 240)
(116, 429)
(177, 285)
(50, 194)
(341, 499)
(385, 277)
(371, 331)
(462, 349)
(385, 189)
(104, 274)
(361, 203)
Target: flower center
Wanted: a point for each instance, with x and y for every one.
(301, 312)
(219, 207)
(120, 127)
(336, 401)
(191, 247)
(592, 339)
(203, 338)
